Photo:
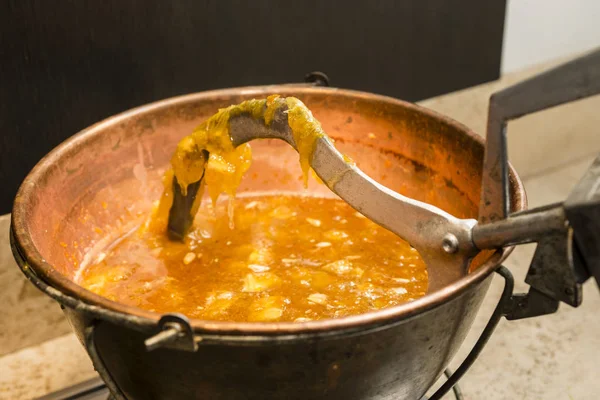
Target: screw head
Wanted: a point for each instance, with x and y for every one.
(450, 243)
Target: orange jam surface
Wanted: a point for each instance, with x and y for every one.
(276, 258)
(289, 258)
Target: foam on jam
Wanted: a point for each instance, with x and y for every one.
(289, 258)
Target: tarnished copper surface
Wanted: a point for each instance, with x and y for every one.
(111, 171)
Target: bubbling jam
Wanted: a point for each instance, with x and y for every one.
(277, 258)
(289, 258)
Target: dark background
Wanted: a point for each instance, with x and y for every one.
(67, 64)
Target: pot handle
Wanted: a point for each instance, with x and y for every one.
(312, 79)
(568, 234)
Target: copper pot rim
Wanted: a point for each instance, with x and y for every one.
(32, 259)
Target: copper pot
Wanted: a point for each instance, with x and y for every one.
(111, 172)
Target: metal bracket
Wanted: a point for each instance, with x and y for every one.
(555, 270)
(568, 235)
(527, 305)
(552, 269)
(583, 211)
(175, 333)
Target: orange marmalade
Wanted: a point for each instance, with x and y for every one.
(277, 258)
(289, 258)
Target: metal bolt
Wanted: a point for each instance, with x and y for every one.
(163, 337)
(450, 243)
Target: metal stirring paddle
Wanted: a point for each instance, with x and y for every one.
(446, 243)
(441, 239)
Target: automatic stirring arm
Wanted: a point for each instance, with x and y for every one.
(424, 226)
(568, 234)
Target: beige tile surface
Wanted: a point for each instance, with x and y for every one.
(42, 369)
(27, 316)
